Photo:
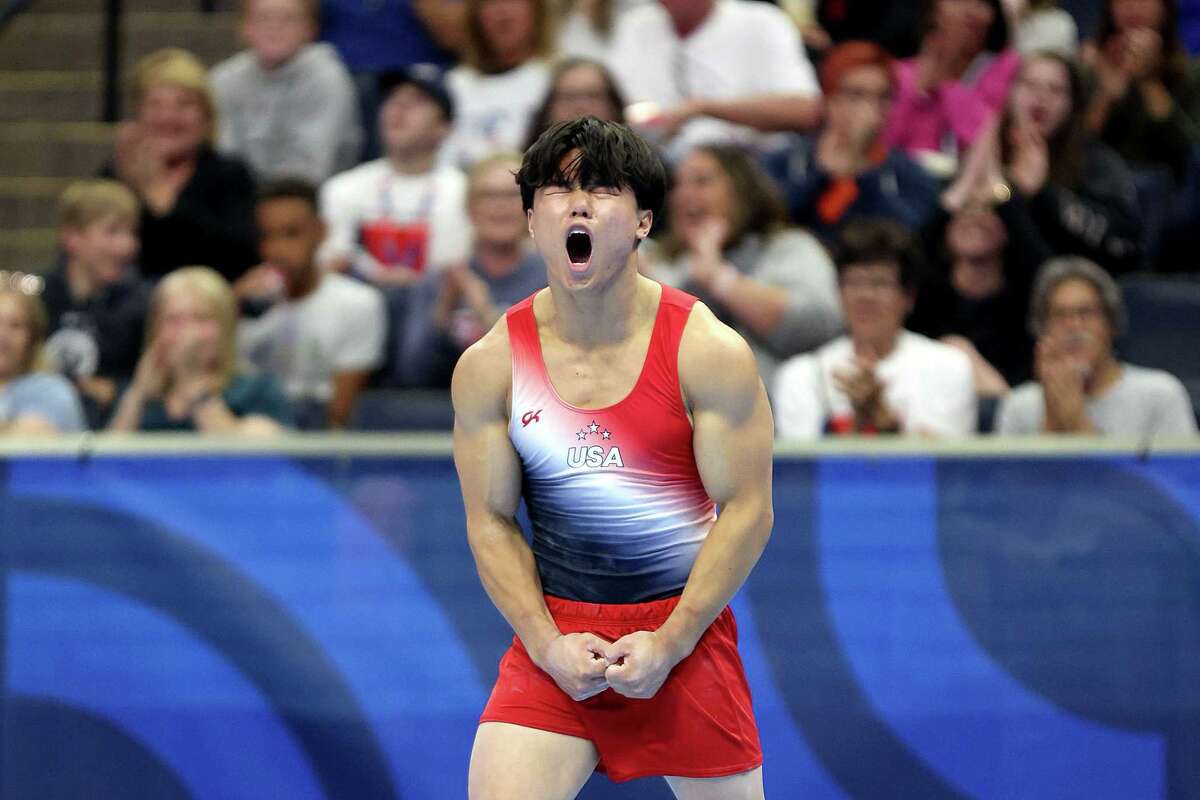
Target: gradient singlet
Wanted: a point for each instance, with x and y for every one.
(614, 496)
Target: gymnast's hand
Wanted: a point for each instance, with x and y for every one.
(639, 663)
(576, 663)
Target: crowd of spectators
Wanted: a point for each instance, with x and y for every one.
(910, 216)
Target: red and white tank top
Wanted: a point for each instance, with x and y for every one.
(614, 497)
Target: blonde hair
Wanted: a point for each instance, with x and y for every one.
(478, 51)
(86, 202)
(35, 322)
(174, 66)
(207, 284)
(502, 158)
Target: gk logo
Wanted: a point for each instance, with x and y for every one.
(531, 416)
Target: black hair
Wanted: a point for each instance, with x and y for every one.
(290, 189)
(998, 35)
(609, 154)
(874, 241)
(1175, 58)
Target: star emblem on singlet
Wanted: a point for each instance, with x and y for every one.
(581, 434)
(606, 434)
(593, 428)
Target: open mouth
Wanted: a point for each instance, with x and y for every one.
(579, 247)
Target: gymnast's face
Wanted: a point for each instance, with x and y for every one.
(586, 234)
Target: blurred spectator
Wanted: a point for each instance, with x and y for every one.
(187, 378)
(826, 23)
(504, 75)
(1043, 27)
(30, 402)
(387, 36)
(879, 378)
(1147, 100)
(587, 26)
(980, 303)
(713, 70)
(846, 170)
(578, 88)
(449, 311)
(287, 105)
(392, 218)
(728, 244)
(1060, 191)
(947, 93)
(323, 335)
(96, 301)
(1081, 388)
(197, 205)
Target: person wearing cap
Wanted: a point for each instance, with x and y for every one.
(846, 171)
(287, 104)
(396, 217)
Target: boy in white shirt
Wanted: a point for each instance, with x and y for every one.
(879, 378)
(323, 336)
(392, 219)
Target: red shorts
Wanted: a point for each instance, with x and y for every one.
(699, 724)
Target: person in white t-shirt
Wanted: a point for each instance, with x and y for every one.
(879, 378)
(586, 27)
(503, 78)
(714, 70)
(324, 334)
(392, 219)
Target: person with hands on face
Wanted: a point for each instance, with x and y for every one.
(1081, 387)
(323, 333)
(947, 93)
(879, 377)
(623, 412)
(197, 205)
(1146, 103)
(1058, 190)
(728, 243)
(187, 378)
(846, 170)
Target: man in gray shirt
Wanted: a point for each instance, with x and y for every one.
(287, 105)
(1080, 387)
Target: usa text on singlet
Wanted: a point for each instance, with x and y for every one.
(614, 496)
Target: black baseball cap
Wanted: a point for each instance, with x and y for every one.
(429, 78)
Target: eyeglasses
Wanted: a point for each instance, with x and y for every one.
(1084, 313)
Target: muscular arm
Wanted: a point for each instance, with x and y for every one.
(732, 441)
(490, 473)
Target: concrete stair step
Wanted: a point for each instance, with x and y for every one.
(41, 41)
(30, 202)
(54, 150)
(51, 96)
(29, 250)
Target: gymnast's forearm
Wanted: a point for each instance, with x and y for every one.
(510, 577)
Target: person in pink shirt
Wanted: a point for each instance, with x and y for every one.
(947, 93)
